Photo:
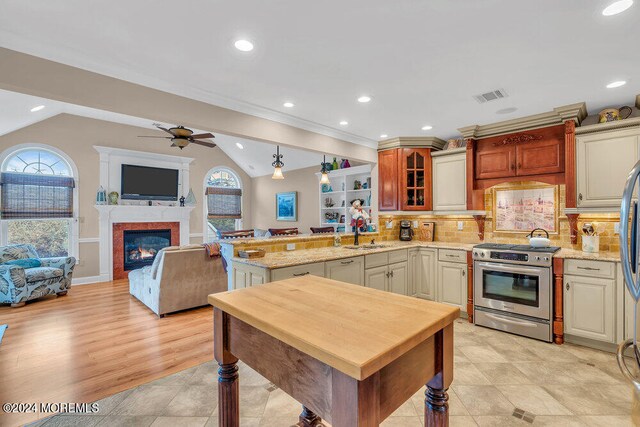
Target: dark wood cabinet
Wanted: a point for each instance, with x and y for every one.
(415, 179)
(388, 179)
(540, 158)
(495, 162)
(531, 153)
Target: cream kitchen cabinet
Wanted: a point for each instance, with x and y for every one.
(590, 307)
(450, 180)
(603, 161)
(425, 273)
(412, 281)
(452, 284)
(391, 278)
(350, 270)
(245, 276)
(316, 269)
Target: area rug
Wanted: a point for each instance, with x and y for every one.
(2, 329)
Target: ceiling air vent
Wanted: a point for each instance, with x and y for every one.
(490, 96)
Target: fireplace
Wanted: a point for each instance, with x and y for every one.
(141, 246)
(135, 244)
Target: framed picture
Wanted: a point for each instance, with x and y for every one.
(520, 210)
(427, 231)
(287, 206)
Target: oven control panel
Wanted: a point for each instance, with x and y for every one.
(509, 256)
(513, 257)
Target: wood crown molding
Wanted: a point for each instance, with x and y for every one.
(412, 142)
(576, 112)
(603, 127)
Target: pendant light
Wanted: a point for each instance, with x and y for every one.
(324, 179)
(277, 165)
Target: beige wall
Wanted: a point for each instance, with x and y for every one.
(263, 206)
(76, 137)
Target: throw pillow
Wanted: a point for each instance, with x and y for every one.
(25, 262)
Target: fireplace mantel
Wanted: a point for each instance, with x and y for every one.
(113, 214)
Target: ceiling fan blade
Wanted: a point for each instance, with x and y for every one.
(147, 136)
(204, 143)
(165, 129)
(203, 136)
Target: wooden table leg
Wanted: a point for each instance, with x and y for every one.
(355, 403)
(308, 418)
(436, 402)
(228, 391)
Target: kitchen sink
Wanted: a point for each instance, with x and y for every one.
(365, 247)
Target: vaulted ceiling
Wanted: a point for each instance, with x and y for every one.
(420, 61)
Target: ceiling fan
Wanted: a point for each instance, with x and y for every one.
(181, 137)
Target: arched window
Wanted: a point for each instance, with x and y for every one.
(38, 200)
(223, 190)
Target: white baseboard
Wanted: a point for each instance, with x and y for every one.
(88, 280)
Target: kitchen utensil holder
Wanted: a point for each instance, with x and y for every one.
(591, 244)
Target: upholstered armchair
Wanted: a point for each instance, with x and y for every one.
(25, 276)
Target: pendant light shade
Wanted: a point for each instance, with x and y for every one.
(277, 165)
(324, 179)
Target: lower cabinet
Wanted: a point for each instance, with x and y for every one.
(245, 276)
(391, 278)
(350, 270)
(590, 307)
(425, 273)
(452, 284)
(315, 269)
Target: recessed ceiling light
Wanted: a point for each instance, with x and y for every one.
(344, 123)
(384, 135)
(615, 84)
(240, 146)
(427, 127)
(506, 110)
(243, 45)
(38, 108)
(617, 7)
(289, 104)
(364, 99)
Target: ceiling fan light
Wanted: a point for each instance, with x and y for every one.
(277, 173)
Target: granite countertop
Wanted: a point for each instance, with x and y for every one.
(274, 260)
(306, 256)
(600, 256)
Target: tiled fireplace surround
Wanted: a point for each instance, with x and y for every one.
(118, 240)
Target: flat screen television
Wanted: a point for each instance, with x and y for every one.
(147, 183)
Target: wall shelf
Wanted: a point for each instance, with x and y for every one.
(342, 182)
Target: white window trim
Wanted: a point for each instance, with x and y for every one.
(74, 228)
(205, 209)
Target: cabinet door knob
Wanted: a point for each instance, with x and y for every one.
(579, 197)
(519, 165)
(513, 166)
(567, 286)
(464, 273)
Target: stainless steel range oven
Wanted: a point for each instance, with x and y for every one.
(512, 289)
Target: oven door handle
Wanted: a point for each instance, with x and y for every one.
(511, 268)
(511, 320)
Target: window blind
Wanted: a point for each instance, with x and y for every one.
(27, 196)
(224, 202)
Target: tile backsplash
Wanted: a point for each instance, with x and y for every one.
(446, 227)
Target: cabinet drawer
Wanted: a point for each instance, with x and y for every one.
(398, 256)
(316, 269)
(581, 267)
(376, 260)
(452, 255)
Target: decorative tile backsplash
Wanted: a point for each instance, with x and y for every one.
(446, 227)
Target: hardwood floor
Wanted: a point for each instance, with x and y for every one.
(94, 342)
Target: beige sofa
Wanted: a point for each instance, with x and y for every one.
(179, 278)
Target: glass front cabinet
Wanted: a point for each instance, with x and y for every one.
(415, 176)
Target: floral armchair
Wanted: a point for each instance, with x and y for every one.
(24, 276)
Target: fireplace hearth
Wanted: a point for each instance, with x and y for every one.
(140, 247)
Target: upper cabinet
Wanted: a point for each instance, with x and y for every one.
(603, 161)
(529, 153)
(415, 179)
(405, 173)
(450, 180)
(388, 179)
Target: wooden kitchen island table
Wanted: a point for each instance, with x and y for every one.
(349, 354)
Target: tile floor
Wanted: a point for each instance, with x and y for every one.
(499, 380)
